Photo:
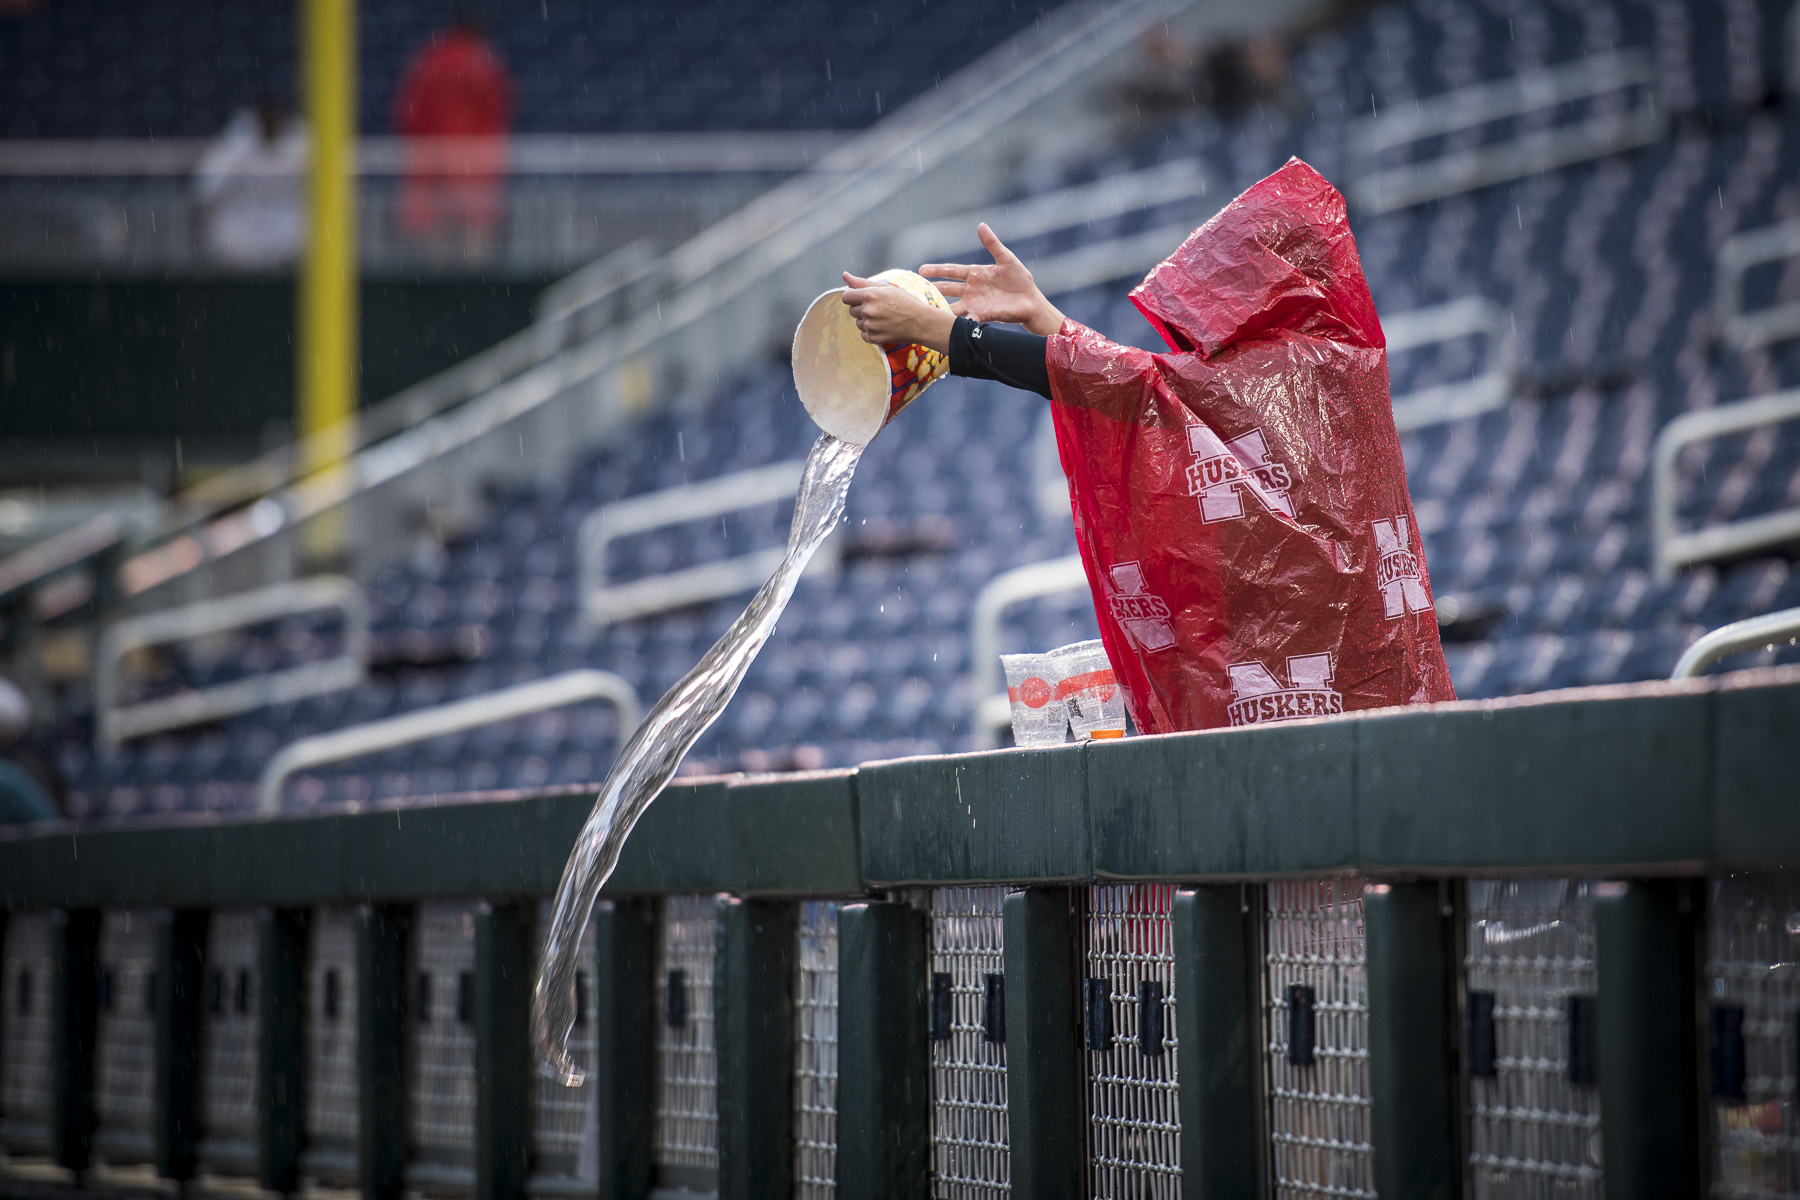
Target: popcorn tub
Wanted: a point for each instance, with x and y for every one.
(850, 388)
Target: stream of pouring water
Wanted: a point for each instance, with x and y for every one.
(656, 749)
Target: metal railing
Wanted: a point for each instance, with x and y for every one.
(139, 207)
(1674, 549)
(1182, 180)
(1737, 637)
(603, 603)
(1284, 972)
(993, 711)
(503, 704)
(1375, 188)
(117, 722)
(1763, 326)
(1470, 316)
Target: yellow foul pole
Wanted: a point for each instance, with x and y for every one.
(325, 350)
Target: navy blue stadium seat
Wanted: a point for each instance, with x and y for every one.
(109, 68)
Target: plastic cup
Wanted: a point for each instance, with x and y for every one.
(1038, 718)
(1088, 690)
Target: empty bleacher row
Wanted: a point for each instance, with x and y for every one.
(1536, 515)
(100, 68)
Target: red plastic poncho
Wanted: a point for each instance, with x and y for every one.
(1241, 503)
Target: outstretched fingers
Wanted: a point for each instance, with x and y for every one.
(946, 270)
(995, 247)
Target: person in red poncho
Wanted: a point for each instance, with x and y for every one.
(454, 105)
(1240, 502)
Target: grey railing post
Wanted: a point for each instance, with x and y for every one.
(180, 983)
(281, 940)
(1413, 1072)
(884, 1063)
(1043, 1048)
(1219, 1030)
(753, 1020)
(625, 1044)
(381, 936)
(1645, 933)
(503, 1068)
(76, 1015)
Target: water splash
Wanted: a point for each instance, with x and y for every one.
(656, 749)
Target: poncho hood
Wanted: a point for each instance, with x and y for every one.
(1278, 258)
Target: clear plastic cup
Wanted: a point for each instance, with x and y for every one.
(1038, 717)
(1088, 690)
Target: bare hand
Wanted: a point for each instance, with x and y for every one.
(1002, 292)
(887, 315)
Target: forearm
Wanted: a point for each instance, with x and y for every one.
(1046, 319)
(931, 329)
(995, 352)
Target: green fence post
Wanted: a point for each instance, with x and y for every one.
(1219, 1031)
(180, 986)
(5, 915)
(1412, 1069)
(280, 1058)
(503, 1064)
(381, 937)
(76, 1014)
(625, 1042)
(884, 1057)
(1645, 934)
(753, 1020)
(1044, 1085)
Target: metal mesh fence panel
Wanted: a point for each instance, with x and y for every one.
(124, 1052)
(442, 1012)
(1753, 944)
(686, 1137)
(815, 1054)
(563, 1116)
(1134, 1127)
(1532, 1133)
(1318, 1093)
(228, 1039)
(969, 1153)
(26, 992)
(331, 1032)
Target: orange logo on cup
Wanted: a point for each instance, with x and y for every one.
(1034, 692)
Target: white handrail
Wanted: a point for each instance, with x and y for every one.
(1747, 330)
(1736, 638)
(201, 705)
(1116, 195)
(1674, 549)
(992, 709)
(1491, 389)
(604, 603)
(558, 691)
(710, 153)
(1378, 189)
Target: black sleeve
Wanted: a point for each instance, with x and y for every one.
(1012, 356)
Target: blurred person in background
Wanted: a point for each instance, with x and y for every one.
(31, 787)
(249, 188)
(454, 106)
